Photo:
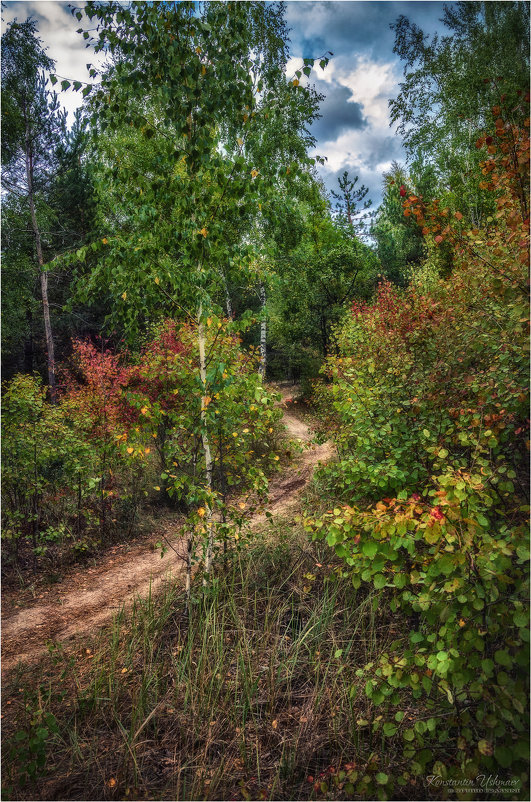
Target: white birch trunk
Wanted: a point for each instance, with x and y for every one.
(228, 301)
(263, 334)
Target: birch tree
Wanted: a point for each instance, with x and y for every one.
(31, 130)
(204, 83)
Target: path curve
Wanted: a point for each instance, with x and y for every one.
(94, 595)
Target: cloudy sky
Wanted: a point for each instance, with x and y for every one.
(353, 133)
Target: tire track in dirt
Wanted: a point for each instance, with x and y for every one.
(92, 596)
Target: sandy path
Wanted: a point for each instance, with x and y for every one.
(92, 596)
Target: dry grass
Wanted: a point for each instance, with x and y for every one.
(246, 698)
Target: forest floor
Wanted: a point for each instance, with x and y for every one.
(87, 598)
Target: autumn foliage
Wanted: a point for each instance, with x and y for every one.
(429, 394)
(126, 429)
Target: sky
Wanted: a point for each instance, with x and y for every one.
(363, 74)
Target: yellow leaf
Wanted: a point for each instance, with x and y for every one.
(277, 458)
(235, 434)
(198, 50)
(156, 487)
(174, 392)
(111, 783)
(274, 724)
(204, 232)
(124, 671)
(203, 70)
(201, 512)
(124, 295)
(147, 450)
(130, 450)
(153, 434)
(242, 505)
(209, 321)
(105, 241)
(296, 82)
(240, 142)
(254, 173)
(144, 410)
(157, 280)
(246, 431)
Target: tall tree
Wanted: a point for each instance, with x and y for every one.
(30, 133)
(351, 216)
(451, 83)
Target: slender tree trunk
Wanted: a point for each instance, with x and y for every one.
(43, 275)
(206, 444)
(228, 301)
(263, 334)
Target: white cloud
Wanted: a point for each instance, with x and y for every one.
(57, 29)
(368, 151)
(372, 84)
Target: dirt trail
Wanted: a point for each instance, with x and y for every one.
(90, 597)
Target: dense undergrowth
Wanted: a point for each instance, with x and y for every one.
(126, 431)
(428, 404)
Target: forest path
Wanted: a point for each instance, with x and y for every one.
(89, 597)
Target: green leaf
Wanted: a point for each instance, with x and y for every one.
(65, 85)
(369, 548)
(503, 658)
(504, 756)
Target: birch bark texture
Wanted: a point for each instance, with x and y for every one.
(263, 331)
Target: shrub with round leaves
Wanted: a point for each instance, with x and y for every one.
(430, 404)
